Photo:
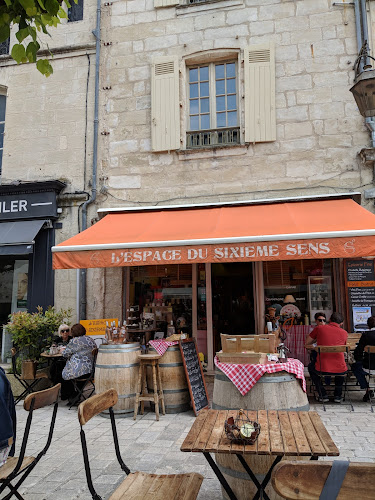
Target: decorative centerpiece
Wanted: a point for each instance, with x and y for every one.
(241, 429)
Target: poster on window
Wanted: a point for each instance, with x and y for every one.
(360, 317)
(20, 285)
(360, 285)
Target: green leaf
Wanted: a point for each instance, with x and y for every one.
(32, 33)
(18, 53)
(8, 3)
(44, 66)
(4, 33)
(41, 4)
(22, 34)
(31, 51)
(52, 7)
(62, 13)
(27, 4)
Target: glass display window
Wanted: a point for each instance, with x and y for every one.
(14, 274)
(165, 292)
(290, 288)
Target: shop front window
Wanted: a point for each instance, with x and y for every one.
(163, 297)
(14, 286)
(297, 289)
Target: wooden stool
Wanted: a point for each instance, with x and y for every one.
(142, 395)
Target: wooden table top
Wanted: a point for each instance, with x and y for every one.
(282, 433)
(47, 355)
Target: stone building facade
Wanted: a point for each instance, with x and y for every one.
(313, 131)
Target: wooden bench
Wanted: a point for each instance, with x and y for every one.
(305, 480)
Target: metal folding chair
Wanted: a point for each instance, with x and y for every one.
(27, 384)
(80, 384)
(16, 469)
(136, 484)
(370, 375)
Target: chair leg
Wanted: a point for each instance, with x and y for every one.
(156, 394)
(139, 389)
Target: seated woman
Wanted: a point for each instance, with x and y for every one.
(58, 364)
(363, 360)
(79, 358)
(7, 419)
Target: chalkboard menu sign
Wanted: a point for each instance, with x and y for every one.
(194, 375)
(360, 284)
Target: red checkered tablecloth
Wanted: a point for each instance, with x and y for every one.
(244, 377)
(162, 345)
(295, 341)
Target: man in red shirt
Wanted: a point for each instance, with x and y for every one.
(331, 334)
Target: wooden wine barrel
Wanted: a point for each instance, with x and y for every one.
(117, 367)
(273, 391)
(173, 379)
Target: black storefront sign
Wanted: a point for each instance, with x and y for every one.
(360, 284)
(28, 206)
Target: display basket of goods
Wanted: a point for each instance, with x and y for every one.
(240, 429)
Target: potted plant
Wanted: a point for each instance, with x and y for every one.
(32, 333)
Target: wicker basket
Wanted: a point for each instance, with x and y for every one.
(241, 429)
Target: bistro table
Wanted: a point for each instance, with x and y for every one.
(282, 433)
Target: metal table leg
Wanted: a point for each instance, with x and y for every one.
(220, 476)
(261, 487)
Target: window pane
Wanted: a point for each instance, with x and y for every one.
(194, 123)
(231, 102)
(205, 121)
(204, 89)
(205, 105)
(194, 109)
(203, 73)
(220, 103)
(2, 107)
(75, 12)
(219, 71)
(231, 70)
(193, 90)
(220, 87)
(221, 121)
(193, 75)
(231, 86)
(232, 118)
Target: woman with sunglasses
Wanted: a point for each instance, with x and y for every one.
(58, 364)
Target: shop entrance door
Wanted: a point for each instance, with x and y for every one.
(232, 300)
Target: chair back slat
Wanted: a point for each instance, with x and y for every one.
(370, 349)
(333, 348)
(42, 398)
(297, 480)
(96, 404)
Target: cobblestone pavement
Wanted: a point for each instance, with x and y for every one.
(153, 446)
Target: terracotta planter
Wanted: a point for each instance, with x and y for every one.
(28, 369)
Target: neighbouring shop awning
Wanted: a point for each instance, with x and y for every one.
(17, 238)
(232, 233)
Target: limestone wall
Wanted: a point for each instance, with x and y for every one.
(319, 129)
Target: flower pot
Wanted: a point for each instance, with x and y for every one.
(29, 369)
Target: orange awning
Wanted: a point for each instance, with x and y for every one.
(232, 233)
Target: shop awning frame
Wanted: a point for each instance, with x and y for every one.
(18, 237)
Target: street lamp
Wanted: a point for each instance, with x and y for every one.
(363, 89)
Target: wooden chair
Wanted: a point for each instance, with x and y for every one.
(80, 388)
(323, 375)
(18, 468)
(27, 384)
(305, 480)
(136, 484)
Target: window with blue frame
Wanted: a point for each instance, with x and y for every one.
(2, 126)
(75, 11)
(4, 47)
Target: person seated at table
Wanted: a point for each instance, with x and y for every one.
(363, 359)
(7, 419)
(58, 364)
(79, 358)
(329, 335)
(320, 319)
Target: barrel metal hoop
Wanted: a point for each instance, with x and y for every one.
(168, 365)
(299, 408)
(262, 380)
(126, 396)
(110, 351)
(171, 391)
(116, 366)
(171, 348)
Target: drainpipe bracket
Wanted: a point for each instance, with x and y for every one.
(367, 156)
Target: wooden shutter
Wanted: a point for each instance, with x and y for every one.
(165, 3)
(260, 115)
(165, 114)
